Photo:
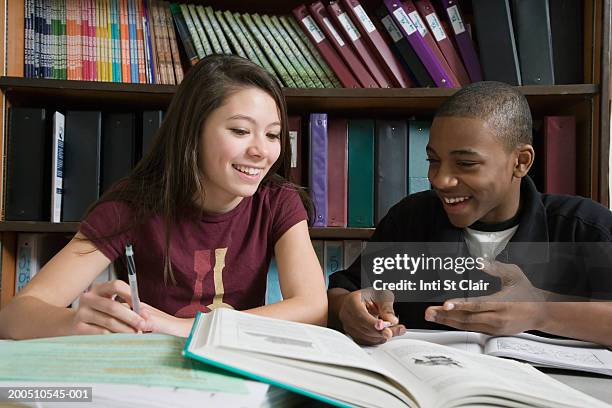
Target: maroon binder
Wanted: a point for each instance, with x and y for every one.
(443, 40)
(342, 20)
(337, 172)
(383, 53)
(319, 13)
(560, 155)
(316, 36)
(420, 25)
(295, 144)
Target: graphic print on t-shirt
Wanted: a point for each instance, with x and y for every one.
(202, 265)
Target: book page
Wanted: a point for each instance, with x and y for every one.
(438, 375)
(247, 332)
(532, 349)
(462, 340)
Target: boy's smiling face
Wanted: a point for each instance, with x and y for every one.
(472, 171)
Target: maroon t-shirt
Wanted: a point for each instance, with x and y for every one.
(219, 261)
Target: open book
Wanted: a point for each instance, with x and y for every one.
(537, 350)
(326, 365)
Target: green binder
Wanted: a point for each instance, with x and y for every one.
(418, 137)
(361, 173)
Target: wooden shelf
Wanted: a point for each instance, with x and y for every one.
(72, 227)
(84, 94)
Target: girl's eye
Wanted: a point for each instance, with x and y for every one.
(240, 132)
(273, 135)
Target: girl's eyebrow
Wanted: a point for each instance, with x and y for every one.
(250, 119)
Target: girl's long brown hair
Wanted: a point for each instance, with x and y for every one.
(167, 178)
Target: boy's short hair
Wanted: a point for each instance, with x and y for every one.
(502, 106)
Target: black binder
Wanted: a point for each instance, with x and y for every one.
(495, 35)
(532, 27)
(118, 147)
(83, 134)
(28, 166)
(566, 20)
(151, 121)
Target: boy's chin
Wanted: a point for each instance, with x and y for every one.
(461, 222)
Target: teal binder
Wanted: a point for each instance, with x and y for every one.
(418, 137)
(361, 173)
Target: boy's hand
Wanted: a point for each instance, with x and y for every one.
(515, 308)
(362, 317)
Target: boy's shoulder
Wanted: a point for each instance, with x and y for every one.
(578, 212)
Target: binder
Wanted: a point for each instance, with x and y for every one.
(295, 144)
(273, 290)
(427, 11)
(118, 148)
(404, 49)
(567, 40)
(560, 155)
(361, 173)
(316, 36)
(383, 53)
(81, 163)
(333, 255)
(151, 122)
(391, 165)
(351, 32)
(57, 167)
(28, 164)
(360, 72)
(430, 41)
(534, 42)
(463, 40)
(495, 35)
(337, 172)
(422, 50)
(418, 167)
(318, 167)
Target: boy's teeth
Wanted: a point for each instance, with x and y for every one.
(454, 200)
(247, 170)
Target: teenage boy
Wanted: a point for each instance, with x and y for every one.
(479, 153)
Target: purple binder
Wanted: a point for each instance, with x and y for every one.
(464, 40)
(425, 54)
(318, 167)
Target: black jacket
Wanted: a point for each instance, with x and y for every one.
(543, 218)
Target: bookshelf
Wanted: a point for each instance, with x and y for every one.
(588, 102)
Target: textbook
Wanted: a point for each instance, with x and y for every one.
(537, 350)
(326, 365)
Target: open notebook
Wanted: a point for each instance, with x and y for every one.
(325, 364)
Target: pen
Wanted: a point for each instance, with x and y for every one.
(129, 254)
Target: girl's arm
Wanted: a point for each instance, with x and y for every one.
(301, 280)
(40, 309)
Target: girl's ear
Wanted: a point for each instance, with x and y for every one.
(524, 160)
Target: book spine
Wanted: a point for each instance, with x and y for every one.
(85, 40)
(233, 41)
(318, 167)
(38, 45)
(217, 30)
(337, 172)
(242, 38)
(205, 28)
(160, 43)
(28, 43)
(140, 42)
(63, 43)
(255, 47)
(149, 6)
(201, 52)
(284, 59)
(183, 31)
(57, 167)
(176, 59)
(93, 50)
(98, 42)
(134, 69)
(165, 43)
(126, 73)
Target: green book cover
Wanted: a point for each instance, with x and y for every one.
(267, 49)
(217, 29)
(280, 53)
(63, 42)
(206, 26)
(242, 38)
(323, 70)
(229, 34)
(54, 40)
(193, 32)
(361, 173)
(301, 58)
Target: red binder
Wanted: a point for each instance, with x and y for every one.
(560, 155)
(418, 22)
(378, 46)
(316, 36)
(351, 32)
(319, 13)
(444, 42)
(337, 172)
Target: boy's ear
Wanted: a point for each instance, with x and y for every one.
(524, 160)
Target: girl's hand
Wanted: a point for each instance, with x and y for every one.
(100, 313)
(157, 321)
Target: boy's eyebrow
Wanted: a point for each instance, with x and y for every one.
(469, 152)
(250, 119)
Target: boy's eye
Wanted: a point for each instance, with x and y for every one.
(466, 163)
(240, 132)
